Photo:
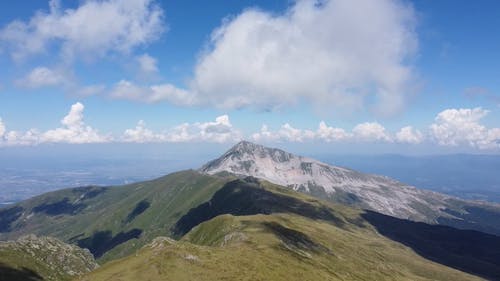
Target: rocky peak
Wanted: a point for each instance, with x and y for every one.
(246, 149)
(335, 183)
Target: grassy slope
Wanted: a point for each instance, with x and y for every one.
(169, 198)
(279, 246)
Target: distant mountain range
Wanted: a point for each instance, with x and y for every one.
(262, 213)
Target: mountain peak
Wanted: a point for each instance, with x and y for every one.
(246, 146)
(244, 155)
(335, 183)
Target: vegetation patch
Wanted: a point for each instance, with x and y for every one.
(62, 207)
(8, 216)
(102, 241)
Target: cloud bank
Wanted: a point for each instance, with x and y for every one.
(452, 127)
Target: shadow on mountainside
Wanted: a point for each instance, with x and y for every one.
(470, 251)
(247, 197)
(23, 274)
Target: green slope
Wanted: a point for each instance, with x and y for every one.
(113, 221)
(252, 230)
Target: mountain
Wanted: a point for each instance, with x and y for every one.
(228, 226)
(111, 222)
(254, 230)
(43, 258)
(367, 191)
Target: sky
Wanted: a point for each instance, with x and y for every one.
(386, 75)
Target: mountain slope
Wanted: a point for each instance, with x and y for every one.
(43, 258)
(253, 230)
(338, 184)
(110, 221)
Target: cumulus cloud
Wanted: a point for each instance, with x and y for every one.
(140, 134)
(93, 29)
(221, 130)
(452, 127)
(42, 77)
(330, 134)
(151, 94)
(409, 135)
(147, 63)
(2, 128)
(316, 51)
(74, 129)
(12, 138)
(371, 131)
(368, 132)
(461, 126)
(8, 138)
(286, 133)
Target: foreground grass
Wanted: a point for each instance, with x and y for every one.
(275, 247)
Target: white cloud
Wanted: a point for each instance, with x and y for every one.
(42, 77)
(2, 128)
(371, 131)
(140, 134)
(221, 130)
(331, 53)
(74, 129)
(330, 134)
(286, 133)
(12, 138)
(147, 64)
(461, 126)
(265, 135)
(9, 138)
(127, 90)
(409, 135)
(93, 29)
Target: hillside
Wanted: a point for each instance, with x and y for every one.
(346, 186)
(252, 230)
(110, 221)
(43, 258)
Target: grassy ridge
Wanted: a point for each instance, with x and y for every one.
(278, 245)
(247, 248)
(86, 215)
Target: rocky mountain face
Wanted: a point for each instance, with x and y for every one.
(43, 258)
(338, 184)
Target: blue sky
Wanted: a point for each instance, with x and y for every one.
(401, 75)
